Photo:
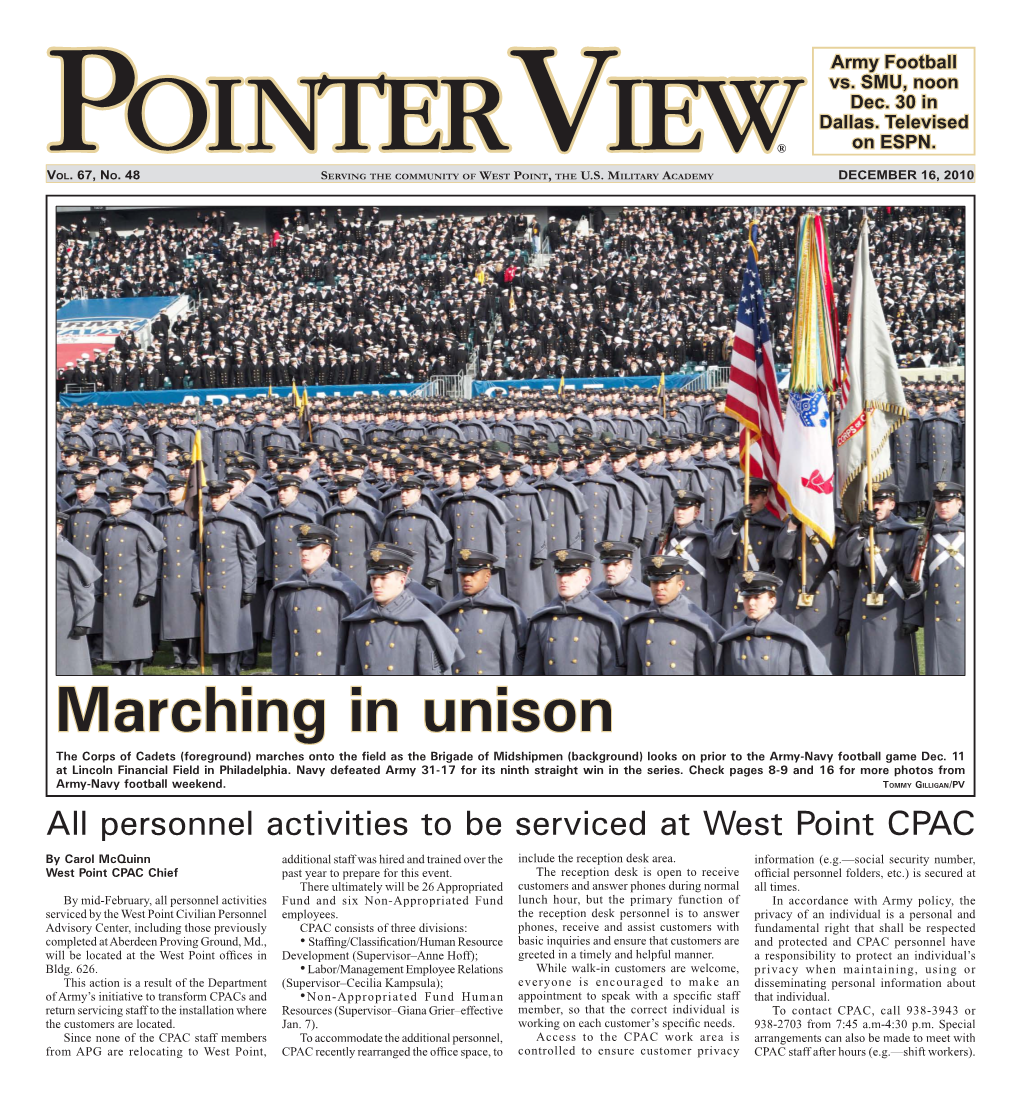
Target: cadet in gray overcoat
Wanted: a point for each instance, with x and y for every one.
(357, 524)
(674, 637)
(880, 637)
(178, 612)
(577, 633)
(622, 590)
(304, 611)
(526, 539)
(945, 591)
(491, 629)
(727, 545)
(819, 618)
(634, 492)
(280, 554)
(690, 541)
(416, 527)
(763, 642)
(127, 551)
(393, 633)
(76, 574)
(229, 554)
(477, 521)
(564, 507)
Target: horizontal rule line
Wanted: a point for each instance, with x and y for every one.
(253, 171)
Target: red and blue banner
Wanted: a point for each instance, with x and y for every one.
(87, 324)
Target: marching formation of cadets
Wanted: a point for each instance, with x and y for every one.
(537, 533)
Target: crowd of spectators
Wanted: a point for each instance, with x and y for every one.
(370, 296)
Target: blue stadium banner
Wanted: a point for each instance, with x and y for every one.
(88, 325)
(220, 397)
(612, 382)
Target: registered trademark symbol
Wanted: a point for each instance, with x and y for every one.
(780, 148)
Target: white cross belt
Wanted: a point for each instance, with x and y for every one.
(892, 583)
(679, 547)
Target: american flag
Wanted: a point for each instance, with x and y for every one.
(753, 393)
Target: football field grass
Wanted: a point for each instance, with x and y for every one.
(163, 658)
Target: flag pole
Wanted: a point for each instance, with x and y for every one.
(871, 503)
(747, 435)
(747, 493)
(803, 561)
(873, 598)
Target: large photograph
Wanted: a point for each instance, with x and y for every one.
(544, 440)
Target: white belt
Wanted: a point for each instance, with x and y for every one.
(892, 583)
(949, 551)
(679, 547)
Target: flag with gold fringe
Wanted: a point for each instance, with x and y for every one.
(305, 416)
(876, 406)
(196, 481)
(806, 473)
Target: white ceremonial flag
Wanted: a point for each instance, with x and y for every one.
(875, 389)
(805, 468)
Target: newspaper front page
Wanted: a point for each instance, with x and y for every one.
(435, 344)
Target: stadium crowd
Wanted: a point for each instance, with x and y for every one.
(365, 297)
